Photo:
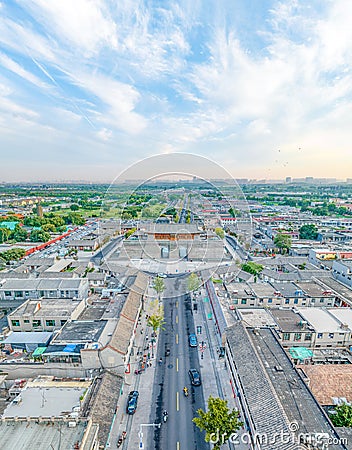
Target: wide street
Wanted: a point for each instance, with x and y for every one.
(171, 376)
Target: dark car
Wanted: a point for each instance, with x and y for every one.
(132, 402)
(195, 377)
(193, 340)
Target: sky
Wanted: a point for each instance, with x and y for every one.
(90, 87)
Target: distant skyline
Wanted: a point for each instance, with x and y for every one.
(89, 87)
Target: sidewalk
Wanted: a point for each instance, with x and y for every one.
(141, 383)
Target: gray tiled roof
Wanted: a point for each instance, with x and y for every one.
(275, 398)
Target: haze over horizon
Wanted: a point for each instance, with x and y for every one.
(88, 88)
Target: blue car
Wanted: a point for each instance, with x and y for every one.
(193, 340)
(195, 377)
(132, 402)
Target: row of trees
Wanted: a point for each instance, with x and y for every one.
(16, 235)
(42, 227)
(13, 254)
(219, 421)
(284, 241)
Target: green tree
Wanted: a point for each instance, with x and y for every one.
(74, 218)
(193, 282)
(283, 242)
(220, 232)
(308, 231)
(49, 227)
(252, 267)
(74, 207)
(39, 236)
(19, 234)
(130, 232)
(4, 234)
(342, 416)
(159, 286)
(14, 254)
(156, 320)
(219, 422)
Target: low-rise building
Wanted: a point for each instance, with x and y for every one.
(35, 288)
(329, 332)
(342, 271)
(44, 314)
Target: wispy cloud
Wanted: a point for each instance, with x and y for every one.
(138, 77)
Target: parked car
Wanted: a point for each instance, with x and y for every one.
(193, 340)
(195, 377)
(132, 402)
(162, 275)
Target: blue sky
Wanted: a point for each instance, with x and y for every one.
(89, 87)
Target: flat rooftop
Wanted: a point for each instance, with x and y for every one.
(45, 402)
(344, 315)
(337, 288)
(29, 435)
(239, 290)
(321, 320)
(263, 289)
(287, 320)
(313, 289)
(62, 307)
(258, 317)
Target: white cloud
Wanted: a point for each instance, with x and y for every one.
(16, 68)
(119, 100)
(104, 134)
(83, 23)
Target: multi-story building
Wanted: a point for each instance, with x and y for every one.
(35, 288)
(44, 314)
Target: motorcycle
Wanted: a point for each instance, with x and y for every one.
(165, 416)
(185, 391)
(121, 439)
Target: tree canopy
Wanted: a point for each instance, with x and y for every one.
(39, 236)
(283, 241)
(193, 282)
(156, 320)
(219, 422)
(220, 232)
(308, 231)
(252, 267)
(13, 254)
(159, 285)
(342, 416)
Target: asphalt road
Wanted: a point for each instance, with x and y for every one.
(236, 246)
(178, 432)
(104, 252)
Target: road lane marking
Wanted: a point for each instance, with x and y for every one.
(176, 319)
(177, 401)
(177, 445)
(176, 303)
(176, 364)
(176, 338)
